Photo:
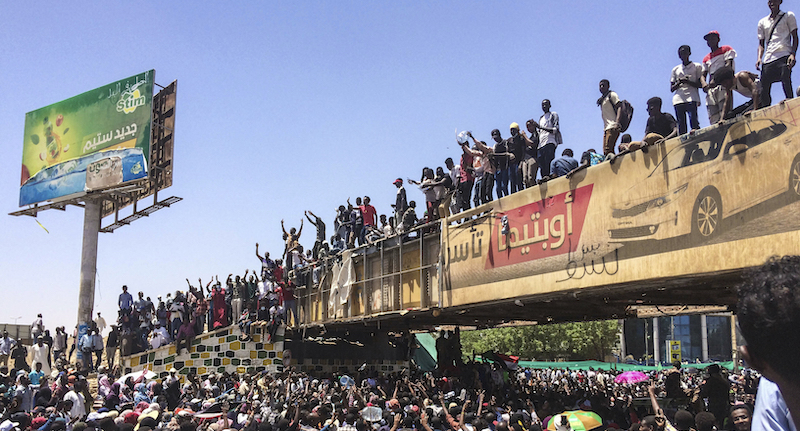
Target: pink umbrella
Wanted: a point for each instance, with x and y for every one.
(631, 377)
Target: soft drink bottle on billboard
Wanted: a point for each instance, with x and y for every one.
(53, 143)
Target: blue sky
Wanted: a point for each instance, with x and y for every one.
(292, 106)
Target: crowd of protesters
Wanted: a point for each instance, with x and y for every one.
(468, 396)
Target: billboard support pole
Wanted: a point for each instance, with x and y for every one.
(91, 231)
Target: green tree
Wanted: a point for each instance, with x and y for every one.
(571, 341)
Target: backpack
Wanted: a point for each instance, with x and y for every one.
(626, 116)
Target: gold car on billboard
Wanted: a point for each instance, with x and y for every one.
(708, 177)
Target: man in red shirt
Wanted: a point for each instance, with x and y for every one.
(368, 213)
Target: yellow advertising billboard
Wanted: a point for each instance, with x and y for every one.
(94, 140)
(719, 199)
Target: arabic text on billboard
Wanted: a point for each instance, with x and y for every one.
(65, 142)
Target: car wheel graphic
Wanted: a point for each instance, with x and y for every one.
(707, 214)
(794, 178)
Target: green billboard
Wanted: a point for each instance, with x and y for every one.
(93, 141)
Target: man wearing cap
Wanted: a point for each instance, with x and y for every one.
(6, 345)
(777, 48)
(400, 202)
(685, 80)
(720, 56)
(548, 138)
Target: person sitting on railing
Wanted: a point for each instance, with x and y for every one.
(589, 158)
(185, 334)
(661, 126)
(374, 234)
(387, 226)
(159, 337)
(246, 320)
(721, 98)
(337, 244)
(276, 318)
(409, 217)
(563, 165)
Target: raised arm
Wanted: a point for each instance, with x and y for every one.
(527, 140)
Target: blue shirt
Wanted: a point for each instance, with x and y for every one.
(125, 301)
(562, 166)
(36, 377)
(770, 412)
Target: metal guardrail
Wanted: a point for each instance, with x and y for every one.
(391, 280)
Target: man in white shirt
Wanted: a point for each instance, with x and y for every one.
(78, 410)
(160, 337)
(100, 322)
(548, 131)
(611, 112)
(777, 47)
(685, 80)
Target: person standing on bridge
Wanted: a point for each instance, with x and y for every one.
(611, 111)
(777, 48)
(502, 163)
(685, 81)
(400, 202)
(549, 139)
(292, 239)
